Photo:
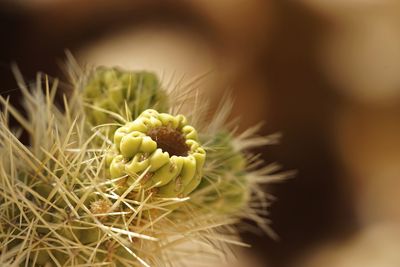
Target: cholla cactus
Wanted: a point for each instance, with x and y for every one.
(163, 180)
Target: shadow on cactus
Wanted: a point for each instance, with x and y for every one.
(162, 177)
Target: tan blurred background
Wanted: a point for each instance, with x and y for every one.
(324, 73)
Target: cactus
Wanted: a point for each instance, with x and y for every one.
(165, 180)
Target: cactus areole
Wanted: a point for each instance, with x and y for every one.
(162, 150)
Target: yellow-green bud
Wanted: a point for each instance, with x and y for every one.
(163, 145)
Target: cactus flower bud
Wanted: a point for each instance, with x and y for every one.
(112, 88)
(163, 145)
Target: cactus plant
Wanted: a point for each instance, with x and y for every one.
(164, 179)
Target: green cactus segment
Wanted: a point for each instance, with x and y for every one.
(228, 188)
(66, 227)
(111, 88)
(164, 146)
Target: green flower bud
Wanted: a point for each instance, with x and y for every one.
(112, 88)
(166, 147)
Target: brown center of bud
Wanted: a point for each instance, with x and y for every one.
(170, 140)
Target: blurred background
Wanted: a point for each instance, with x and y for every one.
(324, 73)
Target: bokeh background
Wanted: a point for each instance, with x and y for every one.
(326, 74)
